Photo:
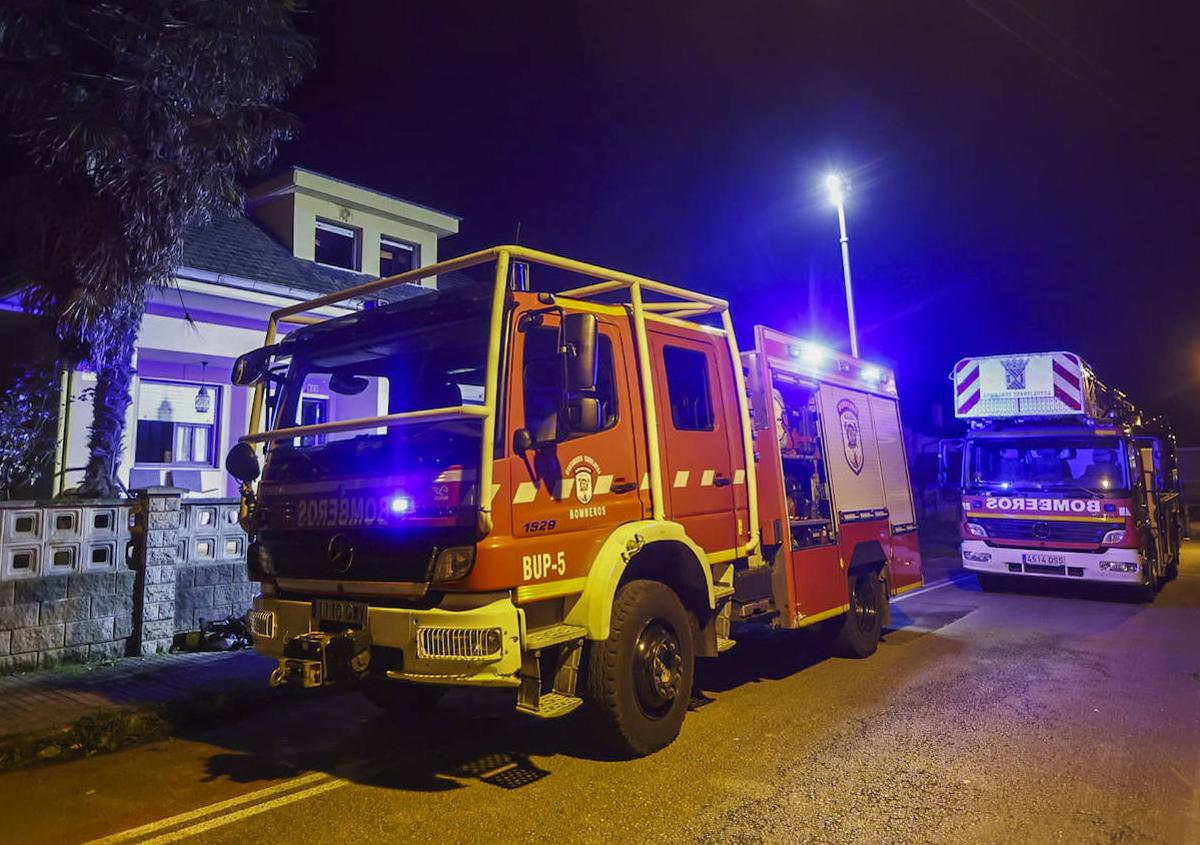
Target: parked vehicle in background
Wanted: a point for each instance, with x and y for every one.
(1062, 477)
(571, 495)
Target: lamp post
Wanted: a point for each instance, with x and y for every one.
(837, 193)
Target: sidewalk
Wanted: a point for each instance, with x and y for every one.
(71, 709)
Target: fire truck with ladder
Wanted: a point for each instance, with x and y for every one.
(1061, 476)
(569, 494)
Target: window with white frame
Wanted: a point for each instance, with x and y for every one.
(336, 245)
(173, 429)
(396, 257)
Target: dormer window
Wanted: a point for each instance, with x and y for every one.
(396, 257)
(337, 246)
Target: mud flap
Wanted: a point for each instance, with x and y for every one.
(318, 659)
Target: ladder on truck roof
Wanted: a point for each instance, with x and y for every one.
(674, 304)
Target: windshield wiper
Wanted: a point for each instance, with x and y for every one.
(1091, 494)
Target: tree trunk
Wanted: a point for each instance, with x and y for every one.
(109, 406)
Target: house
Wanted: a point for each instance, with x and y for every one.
(303, 234)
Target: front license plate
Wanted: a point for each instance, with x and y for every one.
(1048, 560)
(350, 613)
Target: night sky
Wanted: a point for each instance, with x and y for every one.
(1024, 174)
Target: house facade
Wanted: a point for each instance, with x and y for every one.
(303, 234)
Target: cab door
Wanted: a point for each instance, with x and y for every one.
(695, 438)
(568, 492)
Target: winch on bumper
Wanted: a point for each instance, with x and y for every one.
(472, 645)
(1113, 565)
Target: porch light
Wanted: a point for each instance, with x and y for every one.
(203, 397)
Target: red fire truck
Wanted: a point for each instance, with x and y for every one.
(1062, 477)
(571, 495)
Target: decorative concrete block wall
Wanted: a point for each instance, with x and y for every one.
(210, 574)
(66, 586)
(99, 579)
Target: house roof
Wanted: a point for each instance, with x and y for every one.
(236, 246)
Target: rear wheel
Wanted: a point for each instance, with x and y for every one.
(858, 634)
(401, 696)
(639, 680)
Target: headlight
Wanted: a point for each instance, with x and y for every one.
(1115, 536)
(453, 563)
(977, 557)
(1118, 566)
(976, 529)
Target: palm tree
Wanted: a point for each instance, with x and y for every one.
(122, 121)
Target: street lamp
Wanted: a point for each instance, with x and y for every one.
(837, 193)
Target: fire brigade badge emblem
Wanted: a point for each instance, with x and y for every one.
(851, 434)
(1014, 372)
(583, 469)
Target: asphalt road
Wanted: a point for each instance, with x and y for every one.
(1054, 715)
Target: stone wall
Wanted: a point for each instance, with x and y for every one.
(66, 584)
(100, 579)
(210, 574)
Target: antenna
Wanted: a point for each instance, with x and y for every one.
(517, 238)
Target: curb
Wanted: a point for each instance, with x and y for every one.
(105, 731)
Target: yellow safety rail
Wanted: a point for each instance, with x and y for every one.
(681, 305)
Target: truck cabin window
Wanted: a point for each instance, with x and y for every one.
(542, 383)
(688, 388)
(1092, 465)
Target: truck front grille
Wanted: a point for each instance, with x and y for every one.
(1046, 530)
(458, 643)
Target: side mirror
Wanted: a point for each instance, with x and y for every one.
(950, 455)
(242, 463)
(579, 341)
(347, 385)
(522, 441)
(251, 368)
(583, 415)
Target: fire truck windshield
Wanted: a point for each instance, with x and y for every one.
(389, 360)
(1097, 465)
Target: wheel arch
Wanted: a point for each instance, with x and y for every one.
(655, 550)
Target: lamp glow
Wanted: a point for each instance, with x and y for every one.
(813, 353)
(833, 184)
(871, 373)
(401, 504)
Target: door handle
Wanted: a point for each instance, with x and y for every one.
(623, 486)
(722, 481)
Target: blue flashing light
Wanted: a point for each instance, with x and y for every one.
(1004, 485)
(871, 373)
(1109, 507)
(813, 353)
(401, 504)
(977, 503)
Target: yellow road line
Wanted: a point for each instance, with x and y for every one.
(296, 783)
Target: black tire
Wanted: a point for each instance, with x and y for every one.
(401, 696)
(990, 582)
(1145, 593)
(639, 681)
(861, 626)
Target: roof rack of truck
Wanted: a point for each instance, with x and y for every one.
(666, 303)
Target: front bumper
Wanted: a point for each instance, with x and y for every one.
(978, 556)
(471, 646)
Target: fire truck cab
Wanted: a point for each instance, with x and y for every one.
(571, 495)
(1062, 477)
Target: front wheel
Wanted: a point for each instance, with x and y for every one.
(861, 626)
(639, 680)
